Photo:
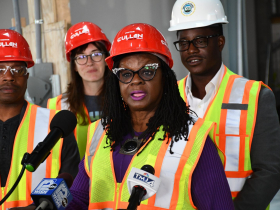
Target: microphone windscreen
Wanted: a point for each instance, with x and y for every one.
(65, 120)
(148, 168)
(67, 178)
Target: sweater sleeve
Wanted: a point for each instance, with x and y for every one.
(80, 190)
(209, 187)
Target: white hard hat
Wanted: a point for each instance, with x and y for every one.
(196, 13)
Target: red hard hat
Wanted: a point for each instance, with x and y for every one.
(139, 37)
(13, 47)
(83, 33)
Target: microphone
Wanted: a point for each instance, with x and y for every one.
(62, 124)
(53, 194)
(141, 184)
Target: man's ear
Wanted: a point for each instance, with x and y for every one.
(221, 42)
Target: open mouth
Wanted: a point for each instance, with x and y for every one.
(138, 95)
(194, 61)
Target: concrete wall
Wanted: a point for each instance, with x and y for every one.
(7, 12)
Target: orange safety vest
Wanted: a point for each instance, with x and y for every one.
(174, 170)
(80, 131)
(234, 109)
(33, 128)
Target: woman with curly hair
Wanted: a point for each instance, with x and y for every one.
(146, 122)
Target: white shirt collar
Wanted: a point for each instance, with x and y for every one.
(216, 81)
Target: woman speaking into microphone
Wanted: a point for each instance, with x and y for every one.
(145, 121)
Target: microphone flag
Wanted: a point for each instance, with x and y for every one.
(53, 191)
(145, 179)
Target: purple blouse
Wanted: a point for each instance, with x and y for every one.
(209, 187)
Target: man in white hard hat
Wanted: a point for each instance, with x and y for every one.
(247, 122)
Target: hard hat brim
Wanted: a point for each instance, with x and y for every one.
(184, 26)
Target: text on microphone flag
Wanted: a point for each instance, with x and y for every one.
(145, 179)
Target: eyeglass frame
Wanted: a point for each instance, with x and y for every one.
(75, 58)
(116, 70)
(192, 41)
(12, 70)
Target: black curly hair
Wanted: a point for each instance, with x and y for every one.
(172, 112)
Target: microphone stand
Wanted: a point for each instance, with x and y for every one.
(23, 163)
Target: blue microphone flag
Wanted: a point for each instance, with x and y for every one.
(53, 191)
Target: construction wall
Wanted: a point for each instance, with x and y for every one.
(112, 15)
(56, 21)
(7, 13)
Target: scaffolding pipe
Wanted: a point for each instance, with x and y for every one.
(239, 38)
(17, 16)
(38, 22)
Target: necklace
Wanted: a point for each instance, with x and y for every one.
(131, 146)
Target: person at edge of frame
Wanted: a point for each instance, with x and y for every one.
(23, 125)
(245, 110)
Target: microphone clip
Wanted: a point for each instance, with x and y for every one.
(25, 159)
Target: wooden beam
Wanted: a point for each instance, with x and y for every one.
(63, 11)
(28, 33)
(49, 11)
(54, 34)
(31, 12)
(56, 21)
(22, 22)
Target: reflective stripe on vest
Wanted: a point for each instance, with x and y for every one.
(33, 128)
(80, 131)
(174, 171)
(182, 88)
(237, 98)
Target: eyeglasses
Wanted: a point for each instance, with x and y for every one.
(199, 42)
(146, 73)
(83, 59)
(17, 71)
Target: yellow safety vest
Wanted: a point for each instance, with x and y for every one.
(80, 131)
(234, 109)
(174, 170)
(33, 128)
